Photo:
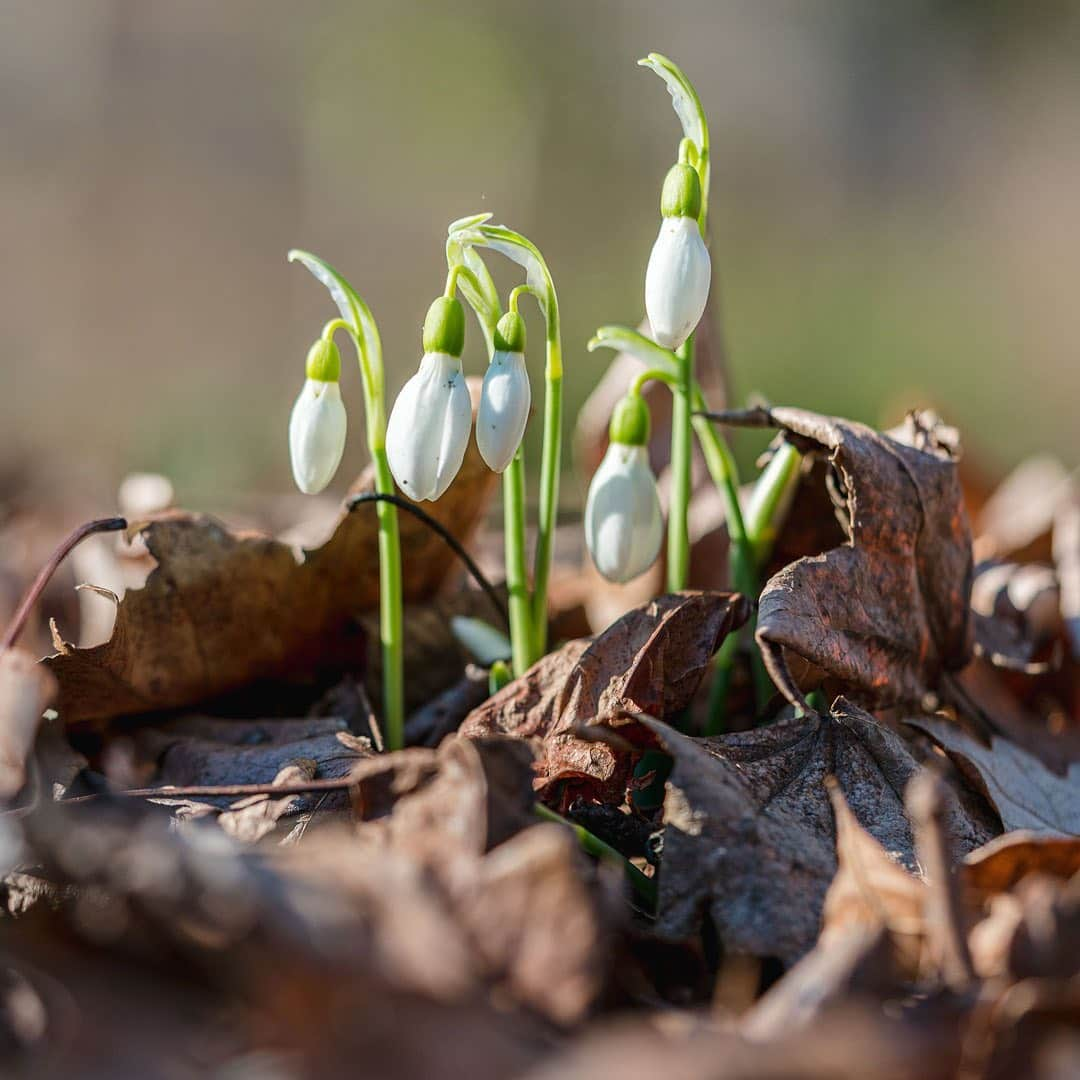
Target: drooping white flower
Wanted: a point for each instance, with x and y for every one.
(624, 527)
(505, 396)
(679, 271)
(317, 429)
(428, 431)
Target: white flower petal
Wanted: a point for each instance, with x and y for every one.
(317, 435)
(624, 527)
(504, 409)
(677, 281)
(428, 430)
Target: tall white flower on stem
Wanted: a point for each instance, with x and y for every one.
(318, 422)
(505, 397)
(679, 271)
(624, 527)
(428, 430)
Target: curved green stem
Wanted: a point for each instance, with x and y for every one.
(357, 320)
(476, 231)
(652, 375)
(678, 551)
(467, 270)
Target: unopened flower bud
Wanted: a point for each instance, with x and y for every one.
(624, 527)
(679, 271)
(505, 396)
(318, 422)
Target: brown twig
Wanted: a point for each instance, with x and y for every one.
(220, 791)
(756, 416)
(33, 594)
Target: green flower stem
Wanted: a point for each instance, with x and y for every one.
(678, 551)
(476, 232)
(723, 666)
(517, 574)
(550, 473)
(391, 627)
(358, 322)
(644, 886)
(768, 502)
(652, 375)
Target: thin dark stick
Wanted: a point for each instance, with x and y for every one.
(224, 791)
(756, 416)
(33, 594)
(447, 537)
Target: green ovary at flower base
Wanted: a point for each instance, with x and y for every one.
(316, 441)
(504, 411)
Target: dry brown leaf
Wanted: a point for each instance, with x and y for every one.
(749, 825)
(249, 820)
(651, 661)
(1005, 861)
(871, 890)
(222, 610)
(886, 613)
(1024, 792)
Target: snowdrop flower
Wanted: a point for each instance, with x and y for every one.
(318, 422)
(505, 396)
(428, 430)
(679, 270)
(623, 524)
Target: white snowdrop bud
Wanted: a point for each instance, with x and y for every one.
(318, 422)
(624, 527)
(679, 271)
(428, 430)
(505, 396)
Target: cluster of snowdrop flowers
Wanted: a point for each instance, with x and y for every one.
(623, 524)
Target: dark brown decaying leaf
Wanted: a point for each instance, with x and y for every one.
(749, 825)
(222, 610)
(650, 661)
(887, 613)
(1024, 792)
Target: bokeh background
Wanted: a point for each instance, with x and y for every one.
(895, 213)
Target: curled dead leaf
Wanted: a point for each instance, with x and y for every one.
(886, 613)
(222, 609)
(650, 661)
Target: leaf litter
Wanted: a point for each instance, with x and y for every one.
(882, 880)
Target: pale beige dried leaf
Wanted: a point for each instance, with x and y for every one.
(26, 690)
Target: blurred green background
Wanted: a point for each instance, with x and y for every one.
(895, 211)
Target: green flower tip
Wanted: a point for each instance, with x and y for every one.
(681, 196)
(630, 422)
(444, 327)
(324, 361)
(510, 333)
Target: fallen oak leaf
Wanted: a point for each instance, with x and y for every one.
(1024, 792)
(749, 826)
(222, 609)
(886, 613)
(649, 661)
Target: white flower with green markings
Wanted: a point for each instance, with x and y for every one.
(505, 397)
(318, 422)
(679, 272)
(624, 527)
(428, 430)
